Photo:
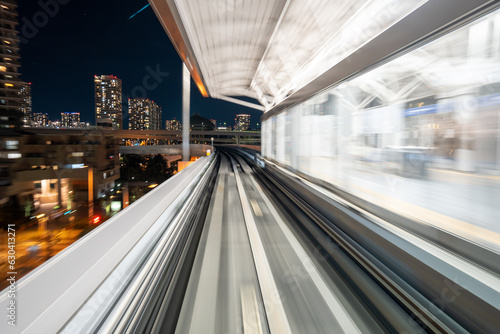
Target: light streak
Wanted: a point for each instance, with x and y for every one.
(140, 10)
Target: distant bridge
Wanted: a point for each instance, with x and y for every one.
(164, 137)
(173, 150)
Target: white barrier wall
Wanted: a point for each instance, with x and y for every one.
(52, 293)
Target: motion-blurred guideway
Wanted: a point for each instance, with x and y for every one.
(251, 273)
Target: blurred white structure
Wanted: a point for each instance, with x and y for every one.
(420, 134)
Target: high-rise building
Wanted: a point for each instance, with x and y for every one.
(75, 119)
(54, 124)
(242, 122)
(40, 119)
(173, 125)
(10, 113)
(25, 103)
(108, 100)
(70, 120)
(66, 119)
(144, 114)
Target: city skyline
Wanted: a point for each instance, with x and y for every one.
(136, 50)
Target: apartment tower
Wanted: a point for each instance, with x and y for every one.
(10, 84)
(144, 114)
(108, 100)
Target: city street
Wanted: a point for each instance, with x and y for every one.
(34, 245)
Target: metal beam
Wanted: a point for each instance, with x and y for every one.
(243, 103)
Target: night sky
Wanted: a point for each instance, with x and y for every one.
(63, 47)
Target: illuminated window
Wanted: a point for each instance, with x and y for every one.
(12, 144)
(14, 155)
(9, 85)
(6, 42)
(3, 69)
(76, 154)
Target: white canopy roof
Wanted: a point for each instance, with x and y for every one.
(270, 50)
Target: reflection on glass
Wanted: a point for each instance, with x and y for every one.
(419, 135)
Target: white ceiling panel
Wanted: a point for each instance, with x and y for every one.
(271, 49)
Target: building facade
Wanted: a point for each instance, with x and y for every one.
(53, 166)
(10, 84)
(70, 120)
(40, 119)
(26, 103)
(144, 114)
(173, 125)
(242, 122)
(108, 100)
(199, 123)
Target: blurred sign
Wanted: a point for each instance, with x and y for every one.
(490, 100)
(432, 109)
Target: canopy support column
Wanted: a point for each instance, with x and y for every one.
(186, 91)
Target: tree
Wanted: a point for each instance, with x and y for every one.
(132, 168)
(156, 169)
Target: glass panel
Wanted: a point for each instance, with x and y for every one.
(419, 135)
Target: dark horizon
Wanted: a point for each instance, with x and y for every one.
(63, 46)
